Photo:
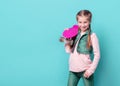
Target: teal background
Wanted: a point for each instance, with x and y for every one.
(30, 53)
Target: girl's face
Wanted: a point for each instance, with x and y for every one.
(83, 23)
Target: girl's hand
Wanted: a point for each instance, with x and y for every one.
(86, 74)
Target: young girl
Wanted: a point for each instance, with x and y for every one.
(80, 63)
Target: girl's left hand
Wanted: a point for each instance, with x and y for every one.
(86, 74)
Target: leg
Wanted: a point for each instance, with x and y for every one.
(73, 79)
(88, 81)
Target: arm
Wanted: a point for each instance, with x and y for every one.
(67, 48)
(96, 52)
(68, 44)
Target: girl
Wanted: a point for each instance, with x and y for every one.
(80, 64)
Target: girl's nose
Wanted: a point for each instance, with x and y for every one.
(82, 25)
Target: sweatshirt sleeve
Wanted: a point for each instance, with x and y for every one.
(67, 48)
(96, 52)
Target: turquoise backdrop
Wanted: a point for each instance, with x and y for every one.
(30, 51)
